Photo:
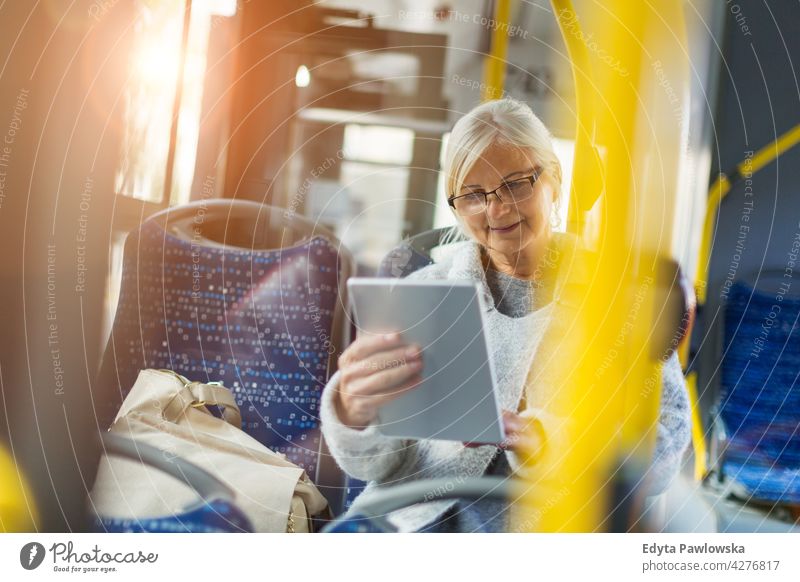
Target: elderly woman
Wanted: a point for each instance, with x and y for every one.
(503, 183)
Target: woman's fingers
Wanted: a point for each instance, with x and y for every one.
(513, 422)
(387, 380)
(362, 404)
(375, 370)
(377, 399)
(366, 345)
(520, 441)
(380, 361)
(521, 432)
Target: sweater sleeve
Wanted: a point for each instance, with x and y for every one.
(365, 454)
(674, 427)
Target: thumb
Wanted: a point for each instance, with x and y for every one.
(512, 420)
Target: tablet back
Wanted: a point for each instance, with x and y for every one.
(456, 400)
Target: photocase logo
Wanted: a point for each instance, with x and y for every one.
(31, 555)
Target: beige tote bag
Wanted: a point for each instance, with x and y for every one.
(165, 410)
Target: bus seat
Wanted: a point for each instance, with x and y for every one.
(412, 254)
(371, 517)
(244, 294)
(756, 429)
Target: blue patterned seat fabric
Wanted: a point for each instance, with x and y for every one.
(760, 395)
(259, 321)
(216, 516)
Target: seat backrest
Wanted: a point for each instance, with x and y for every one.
(241, 224)
(413, 253)
(759, 393)
(207, 294)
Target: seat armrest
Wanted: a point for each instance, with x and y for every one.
(718, 445)
(384, 500)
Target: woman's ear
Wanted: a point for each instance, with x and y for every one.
(555, 211)
(556, 192)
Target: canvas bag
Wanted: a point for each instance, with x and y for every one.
(167, 411)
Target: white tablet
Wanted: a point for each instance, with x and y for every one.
(456, 399)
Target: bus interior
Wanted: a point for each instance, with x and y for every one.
(173, 171)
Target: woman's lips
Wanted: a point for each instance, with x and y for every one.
(506, 229)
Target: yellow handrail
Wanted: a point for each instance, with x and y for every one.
(587, 176)
(596, 370)
(720, 189)
(716, 194)
(698, 436)
(495, 62)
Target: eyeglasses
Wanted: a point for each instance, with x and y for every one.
(512, 192)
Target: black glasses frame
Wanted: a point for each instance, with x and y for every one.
(532, 179)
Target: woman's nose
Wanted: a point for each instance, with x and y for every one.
(496, 208)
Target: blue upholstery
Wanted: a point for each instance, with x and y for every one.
(259, 321)
(216, 516)
(353, 488)
(760, 396)
(354, 524)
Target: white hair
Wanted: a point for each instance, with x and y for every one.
(502, 121)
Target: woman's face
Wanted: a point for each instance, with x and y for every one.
(510, 229)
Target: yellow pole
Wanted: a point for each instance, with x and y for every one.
(17, 511)
(587, 178)
(717, 192)
(698, 436)
(494, 71)
(596, 370)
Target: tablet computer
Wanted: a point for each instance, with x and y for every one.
(456, 399)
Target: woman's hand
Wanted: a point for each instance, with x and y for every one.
(375, 370)
(524, 433)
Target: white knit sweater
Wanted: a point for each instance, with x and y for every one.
(368, 455)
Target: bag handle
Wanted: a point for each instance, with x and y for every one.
(199, 395)
(216, 394)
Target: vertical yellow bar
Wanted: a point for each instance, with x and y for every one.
(17, 512)
(587, 181)
(494, 71)
(698, 437)
(598, 367)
